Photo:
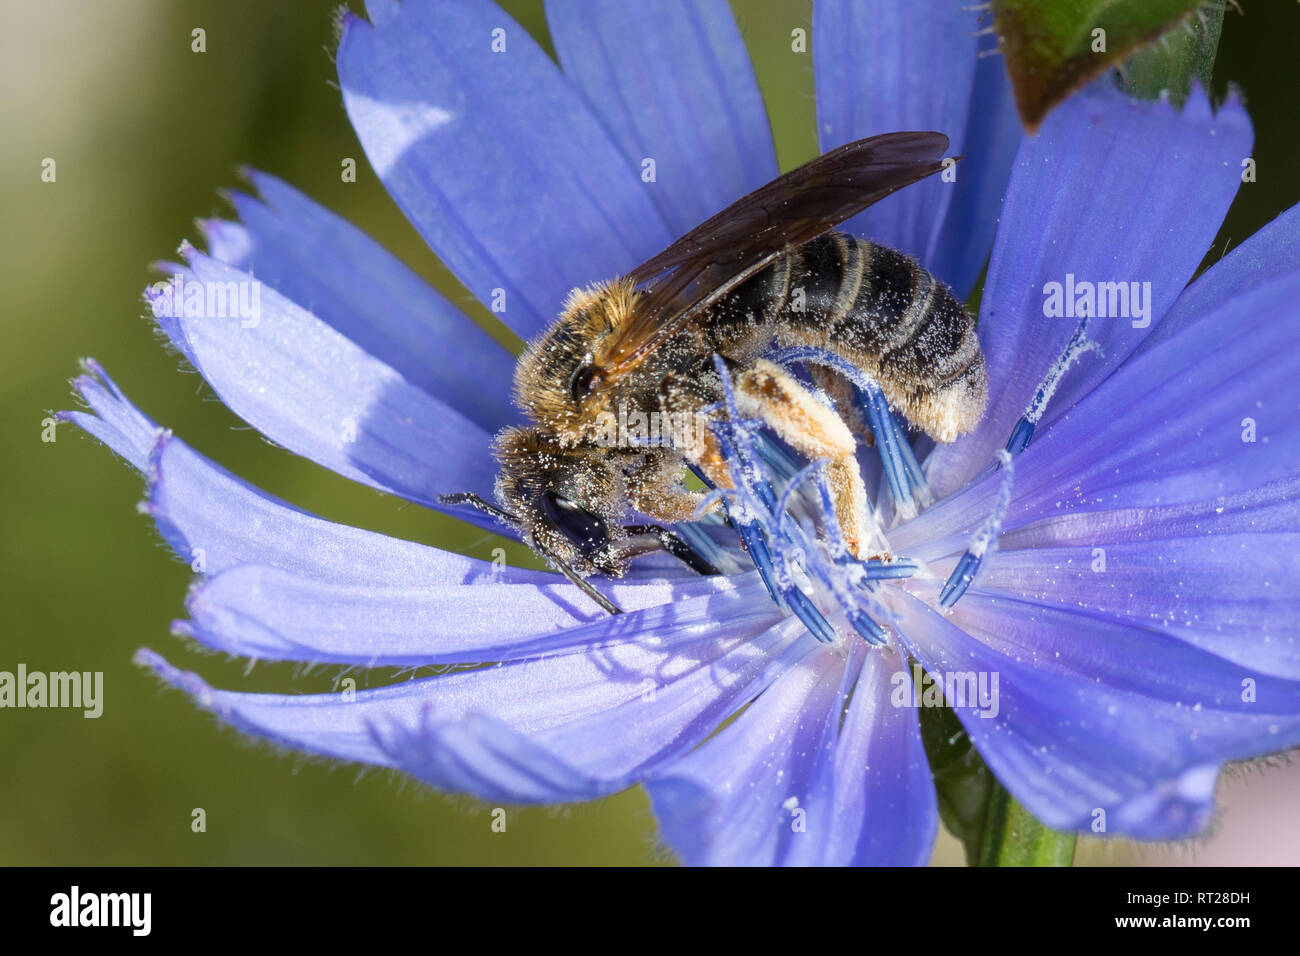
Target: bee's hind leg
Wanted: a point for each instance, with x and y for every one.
(845, 396)
(770, 393)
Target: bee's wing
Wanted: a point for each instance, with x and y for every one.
(725, 250)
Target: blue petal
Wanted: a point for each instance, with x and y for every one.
(993, 134)
(1224, 576)
(1166, 429)
(112, 419)
(1111, 190)
(261, 612)
(1121, 722)
(347, 280)
(882, 66)
(306, 387)
(494, 157)
(198, 504)
(683, 94)
(607, 713)
(486, 757)
(787, 784)
(1171, 426)
(1273, 252)
(277, 555)
(603, 751)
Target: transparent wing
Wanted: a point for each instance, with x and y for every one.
(722, 252)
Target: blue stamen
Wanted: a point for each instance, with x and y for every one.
(838, 546)
(888, 442)
(742, 451)
(871, 632)
(902, 471)
(916, 478)
(1020, 436)
(984, 538)
(812, 618)
(862, 622)
(877, 570)
(778, 461)
(782, 512)
(780, 542)
(762, 558)
(1023, 431)
(754, 544)
(959, 580)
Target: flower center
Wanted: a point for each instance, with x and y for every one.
(794, 538)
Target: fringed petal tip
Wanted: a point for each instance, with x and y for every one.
(189, 682)
(1173, 809)
(110, 417)
(226, 241)
(1231, 110)
(163, 267)
(1102, 96)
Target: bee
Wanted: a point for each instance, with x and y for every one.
(766, 273)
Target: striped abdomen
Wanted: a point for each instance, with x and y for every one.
(877, 309)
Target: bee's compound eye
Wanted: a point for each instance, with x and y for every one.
(583, 381)
(586, 531)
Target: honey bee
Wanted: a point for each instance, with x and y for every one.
(766, 273)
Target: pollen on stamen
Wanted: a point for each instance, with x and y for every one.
(984, 538)
(794, 537)
(1074, 349)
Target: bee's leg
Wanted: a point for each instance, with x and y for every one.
(644, 538)
(845, 396)
(654, 487)
(768, 392)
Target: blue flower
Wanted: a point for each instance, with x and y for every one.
(1130, 576)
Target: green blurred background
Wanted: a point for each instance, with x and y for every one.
(144, 133)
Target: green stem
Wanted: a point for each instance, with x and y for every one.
(1011, 837)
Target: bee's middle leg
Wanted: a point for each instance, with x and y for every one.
(770, 393)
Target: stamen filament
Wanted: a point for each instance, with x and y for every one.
(782, 544)
(984, 538)
(902, 471)
(1024, 428)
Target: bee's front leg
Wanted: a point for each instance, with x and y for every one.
(644, 538)
(654, 488)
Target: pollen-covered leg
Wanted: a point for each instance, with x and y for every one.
(844, 394)
(768, 392)
(654, 487)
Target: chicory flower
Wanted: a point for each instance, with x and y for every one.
(1128, 575)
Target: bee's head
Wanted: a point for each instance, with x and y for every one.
(564, 498)
(556, 375)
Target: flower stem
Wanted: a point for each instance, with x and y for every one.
(994, 829)
(1011, 837)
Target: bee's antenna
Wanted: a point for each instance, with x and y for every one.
(469, 498)
(587, 588)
